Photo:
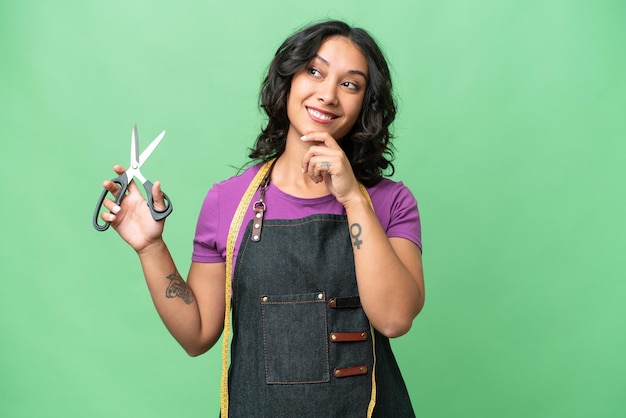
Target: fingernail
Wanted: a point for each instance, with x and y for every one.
(303, 170)
(116, 209)
(111, 217)
(303, 137)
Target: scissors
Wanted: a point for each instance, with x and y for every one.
(124, 179)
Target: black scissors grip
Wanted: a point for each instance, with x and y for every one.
(157, 215)
(123, 183)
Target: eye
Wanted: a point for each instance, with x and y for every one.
(314, 72)
(351, 85)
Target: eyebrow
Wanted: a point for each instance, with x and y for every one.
(356, 72)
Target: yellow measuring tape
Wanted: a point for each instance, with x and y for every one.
(372, 404)
(233, 232)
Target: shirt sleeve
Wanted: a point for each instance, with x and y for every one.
(205, 243)
(404, 217)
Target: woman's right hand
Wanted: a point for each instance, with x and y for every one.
(132, 218)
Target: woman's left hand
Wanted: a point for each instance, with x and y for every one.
(325, 161)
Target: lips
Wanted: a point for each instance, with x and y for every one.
(320, 116)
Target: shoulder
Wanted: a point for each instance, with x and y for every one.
(389, 193)
(216, 214)
(396, 208)
(233, 187)
(238, 181)
(224, 196)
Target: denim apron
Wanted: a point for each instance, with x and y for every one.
(301, 343)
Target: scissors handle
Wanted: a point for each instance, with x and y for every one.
(121, 181)
(157, 215)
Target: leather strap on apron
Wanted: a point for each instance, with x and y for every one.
(233, 233)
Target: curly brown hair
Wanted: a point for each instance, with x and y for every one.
(367, 145)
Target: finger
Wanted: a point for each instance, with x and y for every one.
(111, 186)
(321, 137)
(118, 168)
(318, 141)
(318, 169)
(315, 174)
(114, 188)
(313, 155)
(111, 206)
(107, 217)
(108, 203)
(308, 166)
(157, 197)
(132, 187)
(321, 158)
(321, 167)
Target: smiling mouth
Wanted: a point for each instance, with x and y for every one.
(322, 116)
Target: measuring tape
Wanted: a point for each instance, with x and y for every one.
(372, 404)
(233, 232)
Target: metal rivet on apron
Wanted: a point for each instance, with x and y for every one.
(264, 299)
(255, 238)
(364, 335)
(337, 373)
(258, 215)
(320, 296)
(333, 337)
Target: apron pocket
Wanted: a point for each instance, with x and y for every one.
(295, 338)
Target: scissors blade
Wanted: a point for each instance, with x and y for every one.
(134, 149)
(146, 153)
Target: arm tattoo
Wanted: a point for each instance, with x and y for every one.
(355, 232)
(178, 288)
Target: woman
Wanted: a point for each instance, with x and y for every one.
(327, 263)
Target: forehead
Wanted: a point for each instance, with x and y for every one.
(341, 53)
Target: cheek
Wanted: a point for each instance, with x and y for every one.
(296, 93)
(292, 106)
(356, 109)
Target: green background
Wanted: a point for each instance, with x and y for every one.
(511, 134)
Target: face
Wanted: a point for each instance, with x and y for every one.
(327, 94)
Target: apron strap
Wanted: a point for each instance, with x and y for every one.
(233, 233)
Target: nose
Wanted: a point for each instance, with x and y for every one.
(327, 93)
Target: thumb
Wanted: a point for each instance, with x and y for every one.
(157, 196)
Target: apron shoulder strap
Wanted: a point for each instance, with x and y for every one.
(233, 232)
